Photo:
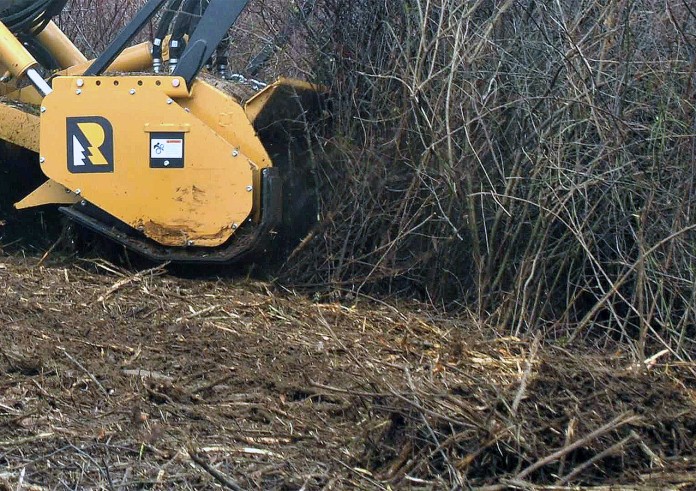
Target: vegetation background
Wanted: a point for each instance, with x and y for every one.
(530, 162)
(526, 167)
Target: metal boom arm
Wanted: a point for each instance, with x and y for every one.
(212, 29)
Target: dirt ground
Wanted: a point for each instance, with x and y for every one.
(145, 380)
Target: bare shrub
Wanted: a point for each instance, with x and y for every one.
(532, 162)
(92, 24)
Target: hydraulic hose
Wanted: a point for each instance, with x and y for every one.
(182, 26)
(29, 16)
(162, 31)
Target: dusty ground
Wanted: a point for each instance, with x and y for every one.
(117, 380)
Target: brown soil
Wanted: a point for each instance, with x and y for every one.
(115, 380)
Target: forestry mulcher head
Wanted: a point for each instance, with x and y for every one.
(177, 166)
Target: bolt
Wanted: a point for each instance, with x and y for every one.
(78, 192)
(166, 163)
(235, 226)
(169, 101)
(80, 82)
(235, 153)
(176, 82)
(83, 203)
(250, 188)
(78, 92)
(190, 243)
(131, 92)
(141, 229)
(67, 191)
(42, 160)
(43, 109)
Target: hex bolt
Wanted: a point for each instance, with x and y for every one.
(43, 109)
(42, 160)
(78, 192)
(169, 101)
(131, 92)
(80, 82)
(190, 243)
(250, 188)
(166, 163)
(78, 91)
(235, 226)
(235, 153)
(176, 82)
(83, 203)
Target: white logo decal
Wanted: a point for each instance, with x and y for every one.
(78, 152)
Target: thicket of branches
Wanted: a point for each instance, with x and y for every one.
(530, 161)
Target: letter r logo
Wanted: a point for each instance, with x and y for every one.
(90, 145)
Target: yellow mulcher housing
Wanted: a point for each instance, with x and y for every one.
(173, 165)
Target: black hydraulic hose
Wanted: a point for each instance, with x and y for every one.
(177, 44)
(162, 31)
(32, 17)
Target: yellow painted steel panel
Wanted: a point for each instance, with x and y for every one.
(19, 127)
(134, 59)
(199, 204)
(223, 113)
(49, 193)
(256, 104)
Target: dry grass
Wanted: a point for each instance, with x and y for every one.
(122, 380)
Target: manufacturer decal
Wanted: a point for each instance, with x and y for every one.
(90, 145)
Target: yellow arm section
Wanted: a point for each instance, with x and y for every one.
(58, 44)
(12, 54)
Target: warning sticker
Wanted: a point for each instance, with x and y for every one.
(167, 150)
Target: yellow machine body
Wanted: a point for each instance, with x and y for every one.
(182, 174)
(169, 166)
